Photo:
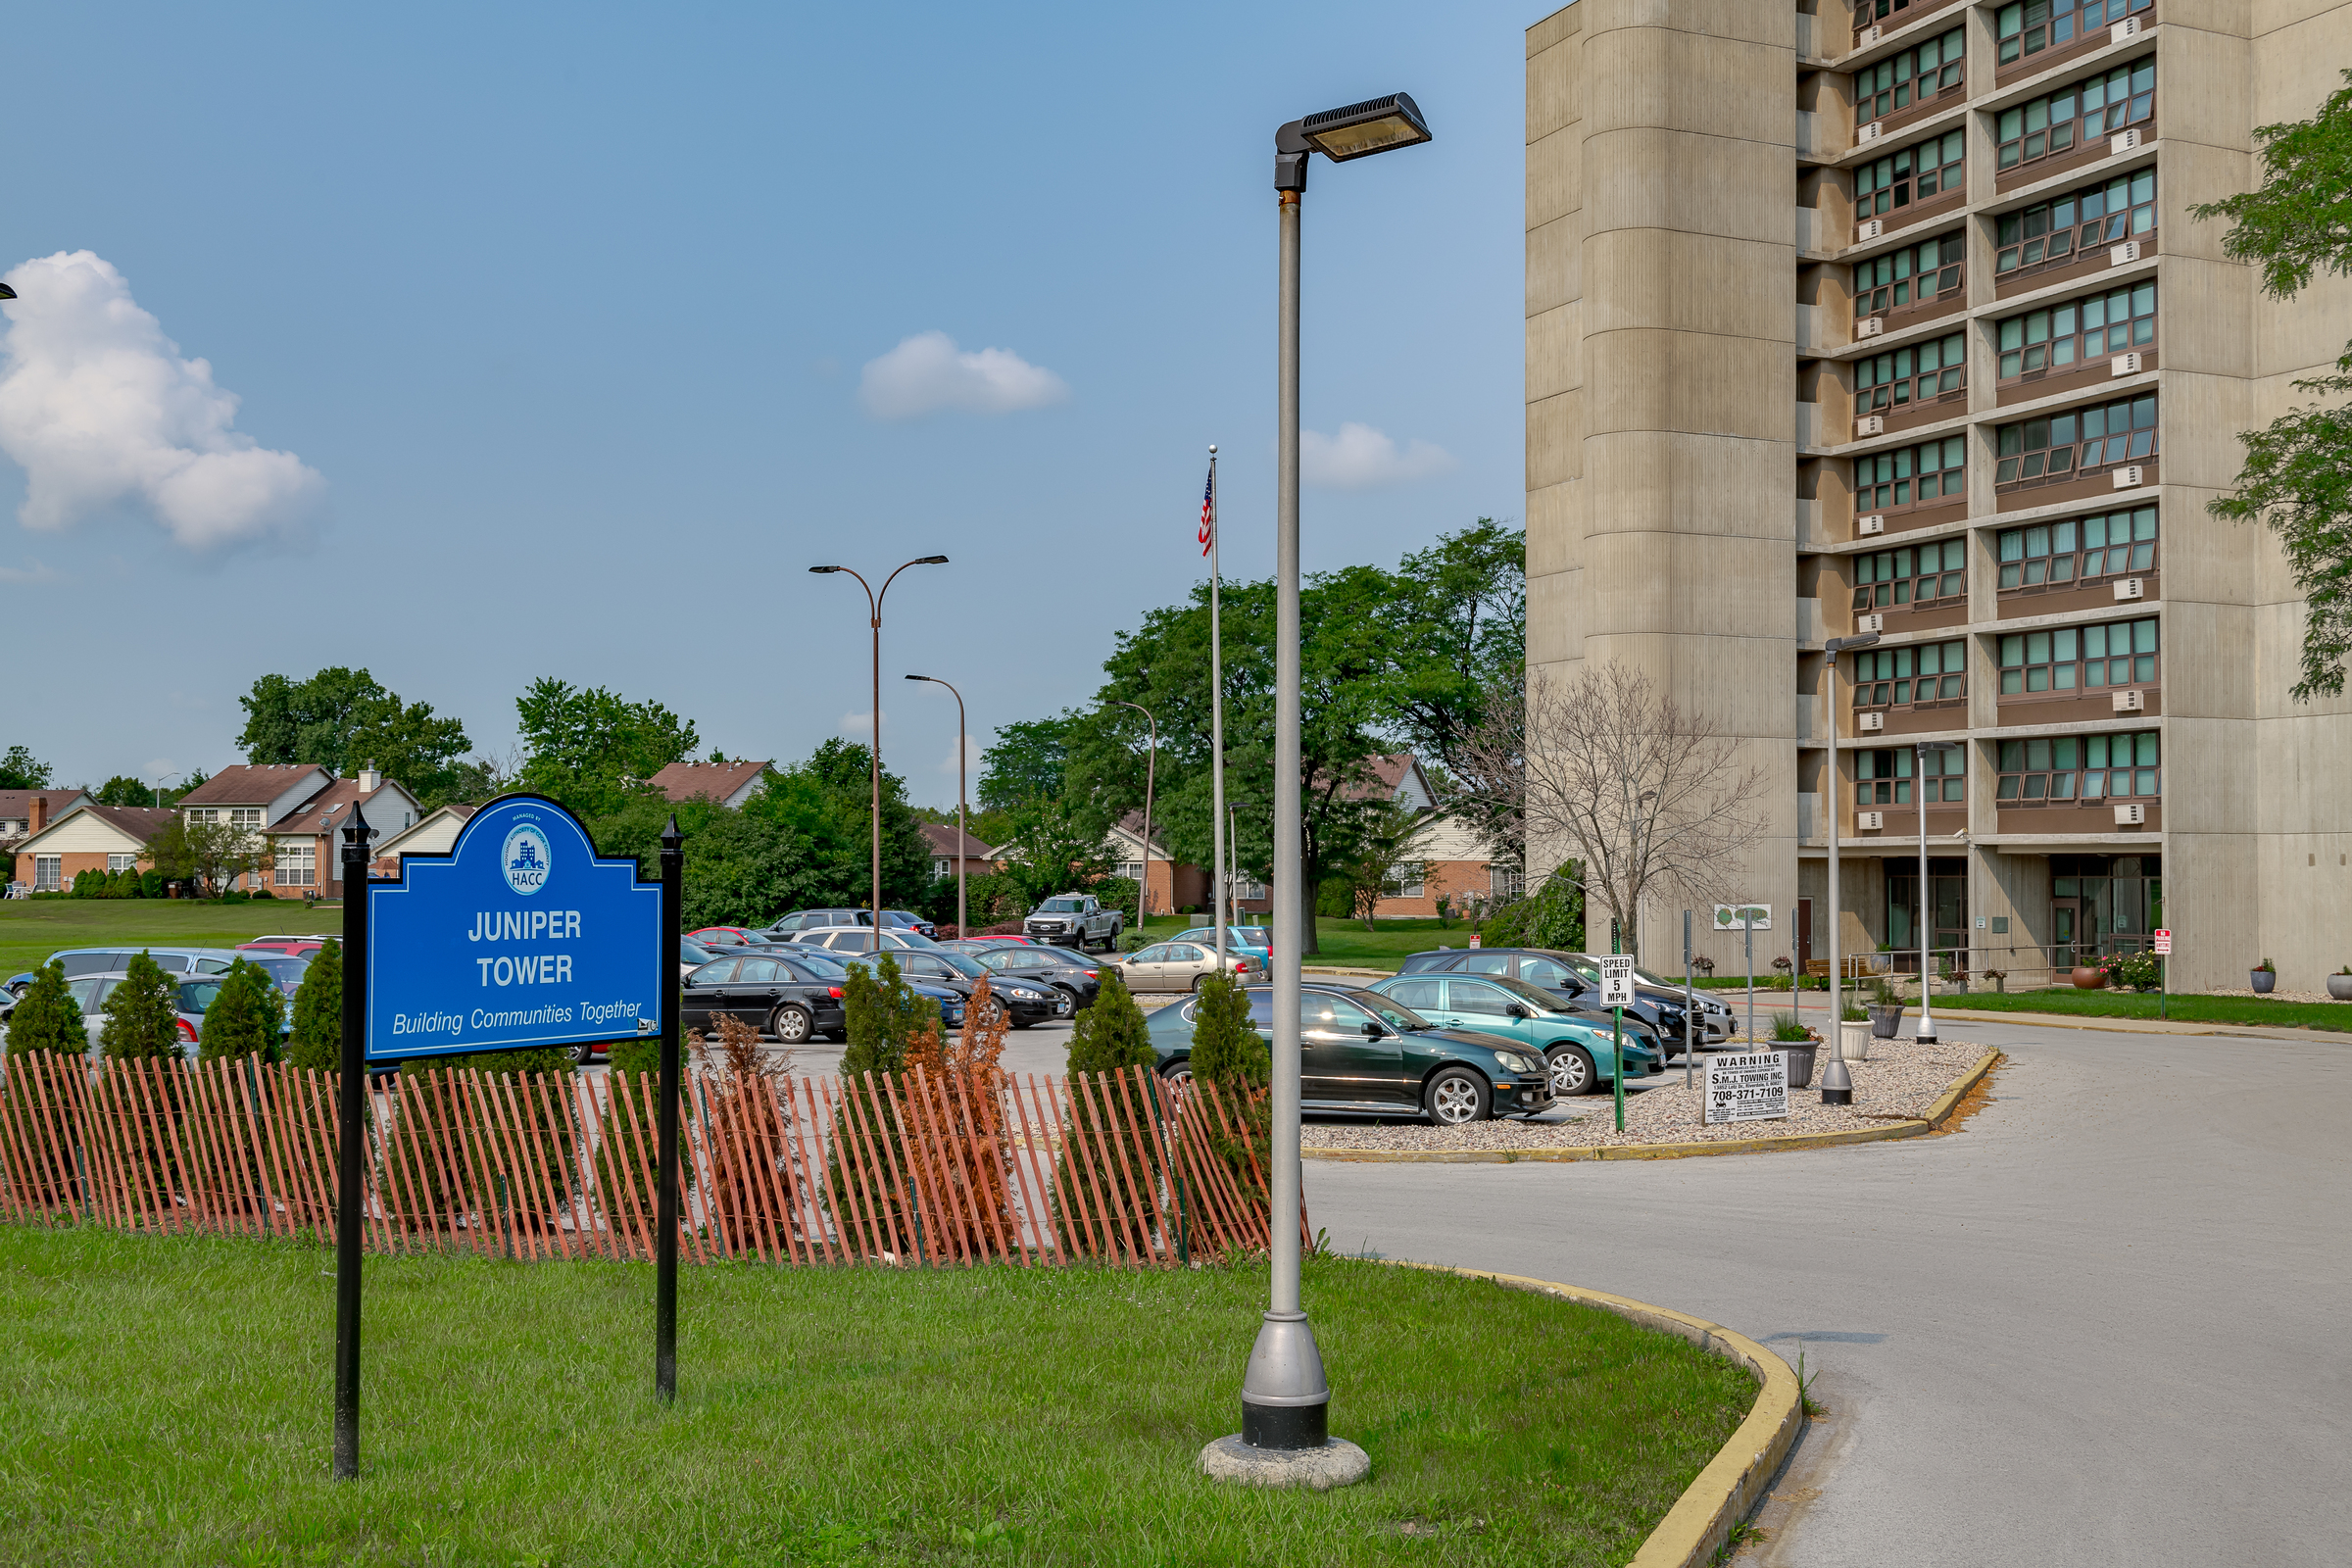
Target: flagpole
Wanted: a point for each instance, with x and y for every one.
(1216, 719)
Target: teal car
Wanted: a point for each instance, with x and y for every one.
(1577, 1044)
(1255, 940)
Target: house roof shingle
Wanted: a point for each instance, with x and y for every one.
(683, 782)
(330, 807)
(249, 784)
(942, 842)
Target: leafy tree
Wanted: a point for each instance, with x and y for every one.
(1384, 842)
(1229, 1052)
(20, 769)
(2297, 476)
(884, 1015)
(317, 1042)
(245, 1017)
(589, 748)
(740, 868)
(143, 1014)
(1456, 625)
(1026, 763)
(1112, 1035)
(47, 1018)
(123, 790)
(212, 853)
(342, 719)
(1552, 916)
(473, 781)
(828, 800)
(1057, 844)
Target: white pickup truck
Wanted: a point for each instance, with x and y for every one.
(1075, 921)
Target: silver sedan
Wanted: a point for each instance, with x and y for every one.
(1181, 966)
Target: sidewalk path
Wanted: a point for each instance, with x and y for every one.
(2100, 1325)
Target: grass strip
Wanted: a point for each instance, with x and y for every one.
(2181, 1008)
(168, 1402)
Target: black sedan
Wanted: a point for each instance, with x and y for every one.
(1076, 976)
(793, 1001)
(1025, 1002)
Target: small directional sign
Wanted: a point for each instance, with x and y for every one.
(2164, 941)
(1617, 981)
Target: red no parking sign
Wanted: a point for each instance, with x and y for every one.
(2164, 941)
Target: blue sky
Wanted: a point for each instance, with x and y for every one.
(563, 318)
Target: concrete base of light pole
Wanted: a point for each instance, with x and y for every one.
(1837, 1084)
(1337, 1463)
(1924, 1038)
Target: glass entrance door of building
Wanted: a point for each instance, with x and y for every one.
(2065, 932)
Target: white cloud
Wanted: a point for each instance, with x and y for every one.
(34, 573)
(861, 726)
(972, 751)
(1360, 458)
(927, 372)
(98, 407)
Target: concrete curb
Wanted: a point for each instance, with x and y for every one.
(1909, 1127)
(1733, 1480)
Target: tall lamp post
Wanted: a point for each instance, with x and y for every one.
(1927, 904)
(1837, 1084)
(1143, 884)
(873, 609)
(1285, 1398)
(962, 923)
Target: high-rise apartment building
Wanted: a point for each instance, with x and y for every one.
(1896, 319)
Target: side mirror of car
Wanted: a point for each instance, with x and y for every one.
(1515, 1010)
(1373, 1030)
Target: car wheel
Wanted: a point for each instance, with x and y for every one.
(1197, 979)
(1572, 1071)
(1456, 1096)
(790, 1024)
(1179, 1072)
(1065, 1003)
(582, 1056)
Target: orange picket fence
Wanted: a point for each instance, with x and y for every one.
(912, 1167)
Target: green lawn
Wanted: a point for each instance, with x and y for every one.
(2190, 1008)
(31, 929)
(167, 1401)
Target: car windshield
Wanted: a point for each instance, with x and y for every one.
(960, 963)
(1534, 997)
(287, 972)
(1061, 907)
(1397, 1014)
(818, 962)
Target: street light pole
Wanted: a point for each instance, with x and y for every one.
(1143, 884)
(1926, 1035)
(873, 609)
(1836, 1083)
(962, 922)
(1285, 1398)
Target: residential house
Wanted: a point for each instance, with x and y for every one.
(729, 784)
(435, 834)
(88, 837)
(979, 858)
(300, 809)
(1172, 885)
(25, 813)
(1447, 860)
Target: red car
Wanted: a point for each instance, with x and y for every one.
(731, 936)
(306, 947)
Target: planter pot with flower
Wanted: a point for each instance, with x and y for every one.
(2339, 984)
(2088, 977)
(2265, 976)
(1884, 1018)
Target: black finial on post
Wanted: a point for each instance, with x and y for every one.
(349, 1085)
(665, 1243)
(672, 841)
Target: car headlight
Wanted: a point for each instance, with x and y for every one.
(1512, 1062)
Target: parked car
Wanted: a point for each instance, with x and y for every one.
(987, 943)
(287, 968)
(1574, 978)
(1180, 966)
(1577, 1047)
(301, 947)
(792, 1002)
(1079, 979)
(1254, 940)
(1025, 1002)
(784, 928)
(859, 939)
(1361, 1053)
(1078, 918)
(196, 992)
(103, 960)
(693, 955)
(731, 936)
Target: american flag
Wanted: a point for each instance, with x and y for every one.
(1208, 511)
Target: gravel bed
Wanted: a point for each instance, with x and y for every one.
(2278, 996)
(1900, 1080)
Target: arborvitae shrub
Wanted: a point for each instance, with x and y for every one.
(143, 1014)
(245, 1018)
(1114, 1120)
(317, 1042)
(883, 1014)
(48, 1018)
(1230, 1053)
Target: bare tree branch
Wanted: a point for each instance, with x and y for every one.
(1485, 788)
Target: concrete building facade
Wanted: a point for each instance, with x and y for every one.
(1894, 319)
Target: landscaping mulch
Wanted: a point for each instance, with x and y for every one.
(1899, 1081)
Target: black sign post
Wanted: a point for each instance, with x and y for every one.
(351, 1088)
(666, 1247)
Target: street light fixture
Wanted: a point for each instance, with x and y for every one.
(963, 921)
(1143, 884)
(1286, 1399)
(1837, 1084)
(873, 607)
(1927, 904)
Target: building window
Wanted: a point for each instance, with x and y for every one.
(2078, 332)
(1506, 883)
(1131, 870)
(2122, 209)
(2080, 114)
(1883, 776)
(2067, 658)
(1916, 274)
(203, 813)
(2031, 27)
(1928, 471)
(2057, 553)
(1927, 673)
(296, 864)
(1911, 375)
(2087, 439)
(47, 872)
(2085, 768)
(940, 871)
(245, 816)
(1407, 881)
(1914, 75)
(121, 863)
(1920, 170)
(1245, 890)
(1915, 576)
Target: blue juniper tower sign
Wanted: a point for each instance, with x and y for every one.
(520, 936)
